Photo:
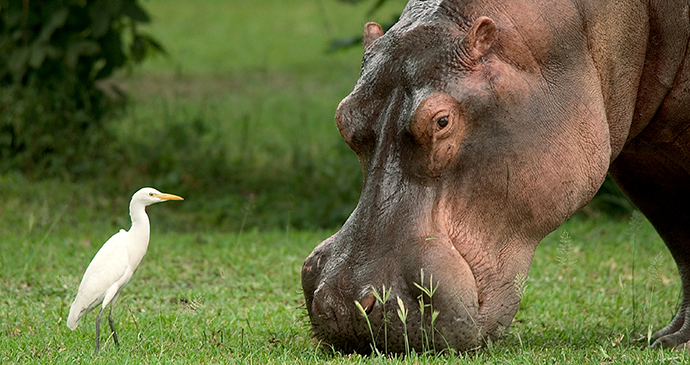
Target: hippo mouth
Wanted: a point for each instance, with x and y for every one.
(432, 307)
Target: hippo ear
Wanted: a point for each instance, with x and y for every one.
(372, 31)
(480, 38)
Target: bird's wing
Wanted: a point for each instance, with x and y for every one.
(110, 265)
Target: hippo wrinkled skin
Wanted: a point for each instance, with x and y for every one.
(481, 126)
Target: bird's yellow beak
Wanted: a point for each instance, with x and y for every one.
(166, 196)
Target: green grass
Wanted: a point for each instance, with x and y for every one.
(208, 297)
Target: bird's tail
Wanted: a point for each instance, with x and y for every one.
(74, 317)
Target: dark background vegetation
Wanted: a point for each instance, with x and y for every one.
(251, 144)
(52, 56)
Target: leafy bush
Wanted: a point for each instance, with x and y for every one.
(54, 56)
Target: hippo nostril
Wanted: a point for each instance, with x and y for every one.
(315, 309)
(367, 303)
(326, 304)
(320, 305)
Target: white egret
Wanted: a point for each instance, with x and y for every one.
(114, 264)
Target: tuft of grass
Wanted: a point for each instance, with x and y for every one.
(382, 298)
(566, 259)
(402, 314)
(374, 349)
(520, 284)
(429, 292)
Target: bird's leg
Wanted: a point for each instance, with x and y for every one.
(98, 327)
(112, 324)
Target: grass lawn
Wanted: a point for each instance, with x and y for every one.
(208, 297)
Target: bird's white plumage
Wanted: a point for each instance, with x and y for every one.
(114, 264)
(109, 268)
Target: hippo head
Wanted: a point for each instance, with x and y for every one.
(469, 158)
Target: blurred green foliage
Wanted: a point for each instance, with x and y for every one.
(238, 119)
(53, 56)
(239, 172)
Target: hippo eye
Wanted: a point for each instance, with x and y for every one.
(442, 122)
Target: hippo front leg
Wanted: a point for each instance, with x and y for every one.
(677, 333)
(658, 185)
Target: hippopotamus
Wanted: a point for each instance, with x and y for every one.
(481, 126)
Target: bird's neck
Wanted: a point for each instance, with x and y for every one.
(140, 228)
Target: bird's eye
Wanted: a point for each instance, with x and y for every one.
(442, 122)
(150, 194)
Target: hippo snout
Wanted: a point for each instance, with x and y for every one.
(330, 308)
(333, 314)
(439, 307)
